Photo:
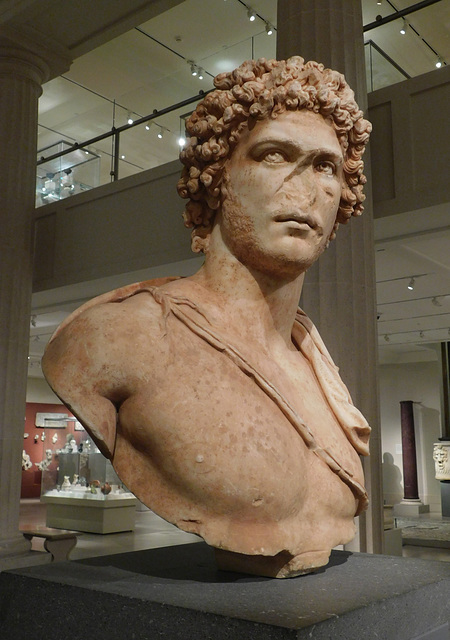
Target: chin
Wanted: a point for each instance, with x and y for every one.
(281, 266)
(296, 262)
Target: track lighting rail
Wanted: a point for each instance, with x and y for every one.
(399, 14)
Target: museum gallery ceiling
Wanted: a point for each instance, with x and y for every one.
(150, 67)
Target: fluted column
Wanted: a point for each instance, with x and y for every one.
(339, 290)
(21, 76)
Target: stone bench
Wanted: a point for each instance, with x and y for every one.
(58, 542)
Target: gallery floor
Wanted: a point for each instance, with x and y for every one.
(152, 532)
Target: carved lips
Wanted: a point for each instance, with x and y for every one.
(299, 219)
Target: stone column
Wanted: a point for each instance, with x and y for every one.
(410, 485)
(411, 503)
(339, 290)
(21, 76)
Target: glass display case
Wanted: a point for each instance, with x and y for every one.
(83, 492)
(62, 177)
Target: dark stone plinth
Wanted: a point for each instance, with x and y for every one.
(177, 593)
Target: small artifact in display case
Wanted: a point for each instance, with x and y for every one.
(45, 463)
(26, 461)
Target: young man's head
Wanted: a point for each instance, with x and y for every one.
(255, 91)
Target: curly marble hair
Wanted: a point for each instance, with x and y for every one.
(256, 90)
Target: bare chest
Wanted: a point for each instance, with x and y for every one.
(207, 406)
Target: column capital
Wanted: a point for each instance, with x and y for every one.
(22, 52)
(20, 63)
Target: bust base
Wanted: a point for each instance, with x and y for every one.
(283, 565)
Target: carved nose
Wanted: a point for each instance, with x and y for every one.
(302, 185)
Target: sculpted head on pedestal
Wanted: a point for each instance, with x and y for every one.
(441, 457)
(214, 395)
(265, 90)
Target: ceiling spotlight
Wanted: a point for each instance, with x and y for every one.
(130, 118)
(439, 63)
(147, 126)
(122, 157)
(269, 29)
(251, 15)
(421, 334)
(181, 141)
(411, 284)
(379, 2)
(200, 73)
(404, 27)
(387, 338)
(160, 133)
(194, 71)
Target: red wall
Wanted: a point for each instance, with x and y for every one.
(31, 479)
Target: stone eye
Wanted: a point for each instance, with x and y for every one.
(326, 167)
(274, 157)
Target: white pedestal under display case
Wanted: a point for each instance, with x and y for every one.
(82, 492)
(109, 515)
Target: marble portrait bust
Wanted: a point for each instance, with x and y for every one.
(213, 395)
(441, 457)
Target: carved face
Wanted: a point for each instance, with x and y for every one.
(282, 187)
(441, 459)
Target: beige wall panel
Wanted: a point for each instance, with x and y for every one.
(125, 226)
(410, 146)
(382, 153)
(430, 137)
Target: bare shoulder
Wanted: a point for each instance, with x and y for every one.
(96, 359)
(106, 335)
